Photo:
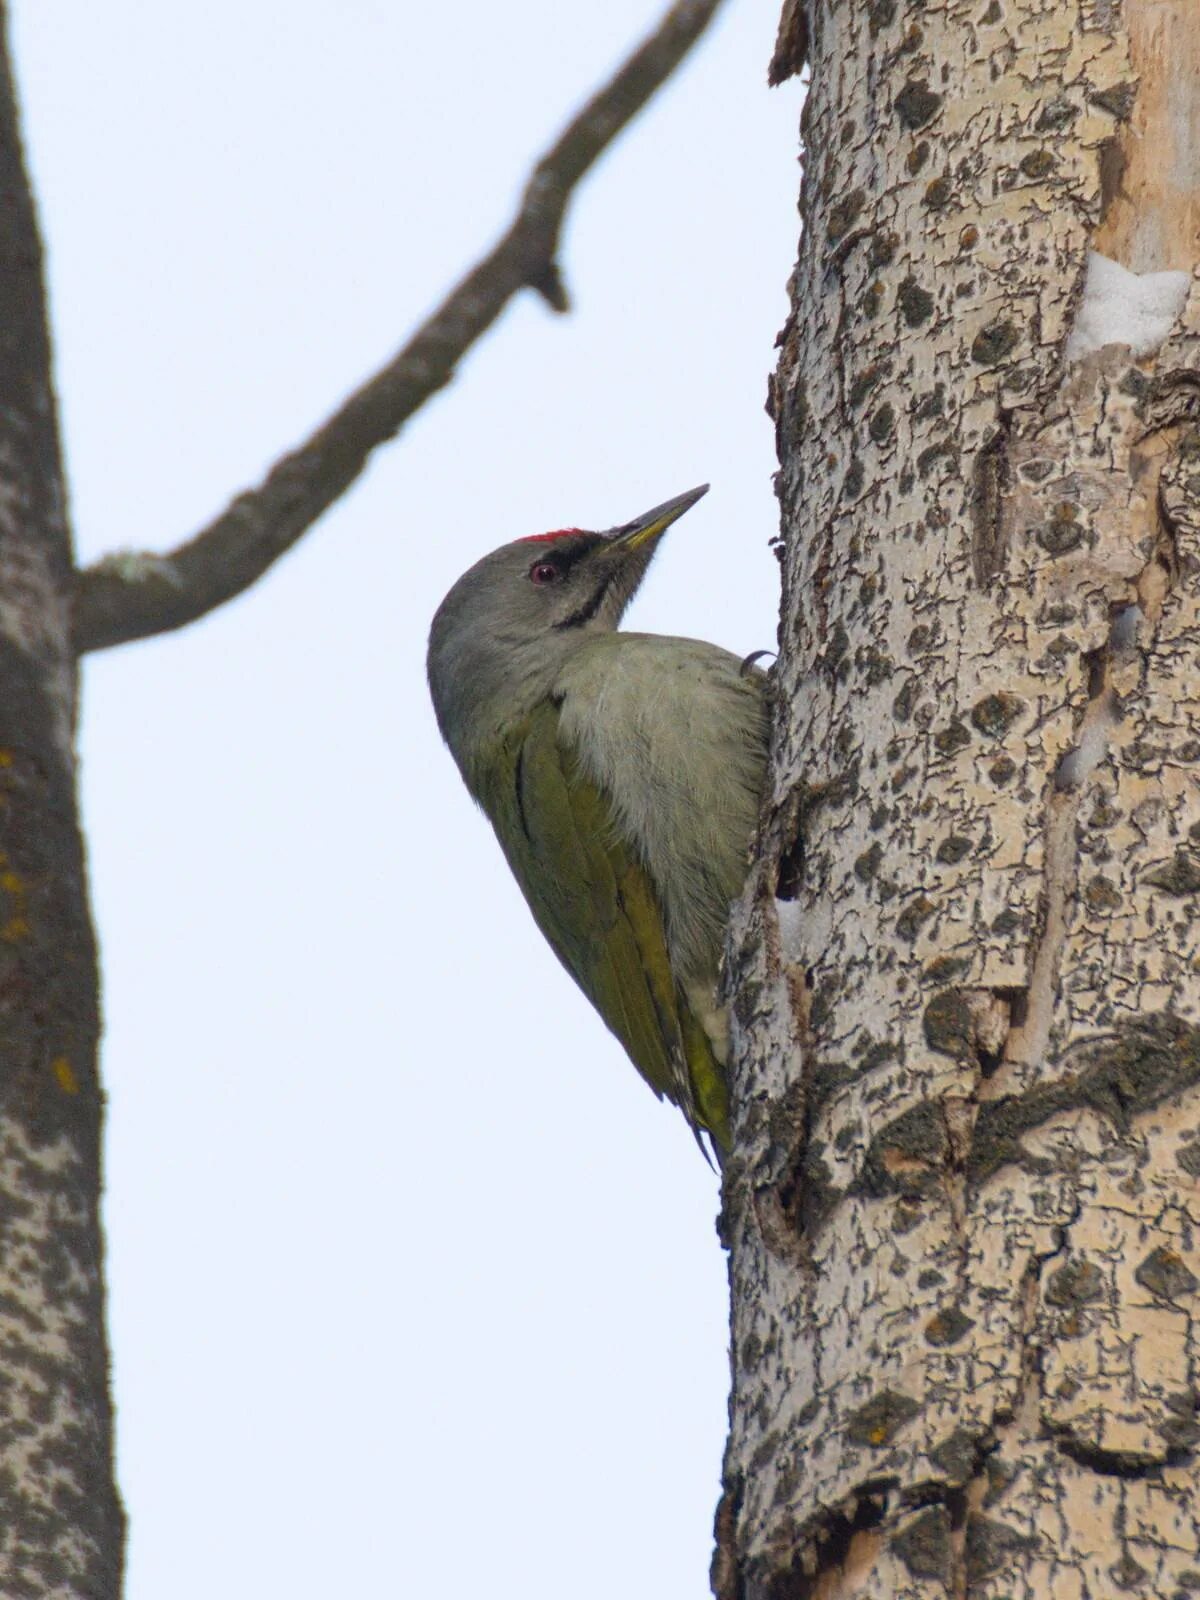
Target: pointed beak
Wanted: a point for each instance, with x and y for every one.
(645, 529)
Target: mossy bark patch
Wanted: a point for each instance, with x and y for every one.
(879, 1421)
(992, 1546)
(995, 714)
(916, 303)
(1075, 1284)
(948, 1326)
(957, 1456)
(949, 1025)
(1146, 1063)
(907, 1156)
(925, 1545)
(915, 914)
(993, 343)
(917, 104)
(1178, 877)
(1165, 1275)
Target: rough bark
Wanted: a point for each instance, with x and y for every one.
(60, 1520)
(962, 1214)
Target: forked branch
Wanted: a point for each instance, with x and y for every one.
(127, 597)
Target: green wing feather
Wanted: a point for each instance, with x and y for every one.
(596, 905)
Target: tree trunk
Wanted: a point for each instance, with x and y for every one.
(61, 1526)
(60, 1520)
(963, 1209)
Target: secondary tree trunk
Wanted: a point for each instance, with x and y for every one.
(963, 1209)
(61, 1527)
(60, 1521)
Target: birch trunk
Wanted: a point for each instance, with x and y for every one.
(60, 1520)
(963, 1211)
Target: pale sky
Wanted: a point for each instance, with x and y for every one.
(414, 1285)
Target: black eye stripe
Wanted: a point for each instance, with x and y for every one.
(589, 608)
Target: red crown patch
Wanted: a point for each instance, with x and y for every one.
(545, 538)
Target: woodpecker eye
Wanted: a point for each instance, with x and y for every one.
(544, 572)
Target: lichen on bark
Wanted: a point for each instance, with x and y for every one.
(61, 1531)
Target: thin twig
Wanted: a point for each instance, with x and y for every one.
(129, 596)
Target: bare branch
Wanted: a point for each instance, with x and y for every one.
(129, 596)
(791, 44)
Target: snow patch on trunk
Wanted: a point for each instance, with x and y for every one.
(791, 931)
(1137, 309)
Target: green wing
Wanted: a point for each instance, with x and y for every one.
(596, 905)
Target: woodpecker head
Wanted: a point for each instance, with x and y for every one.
(507, 626)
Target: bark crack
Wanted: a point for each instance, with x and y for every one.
(1028, 1040)
(1021, 1419)
(990, 476)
